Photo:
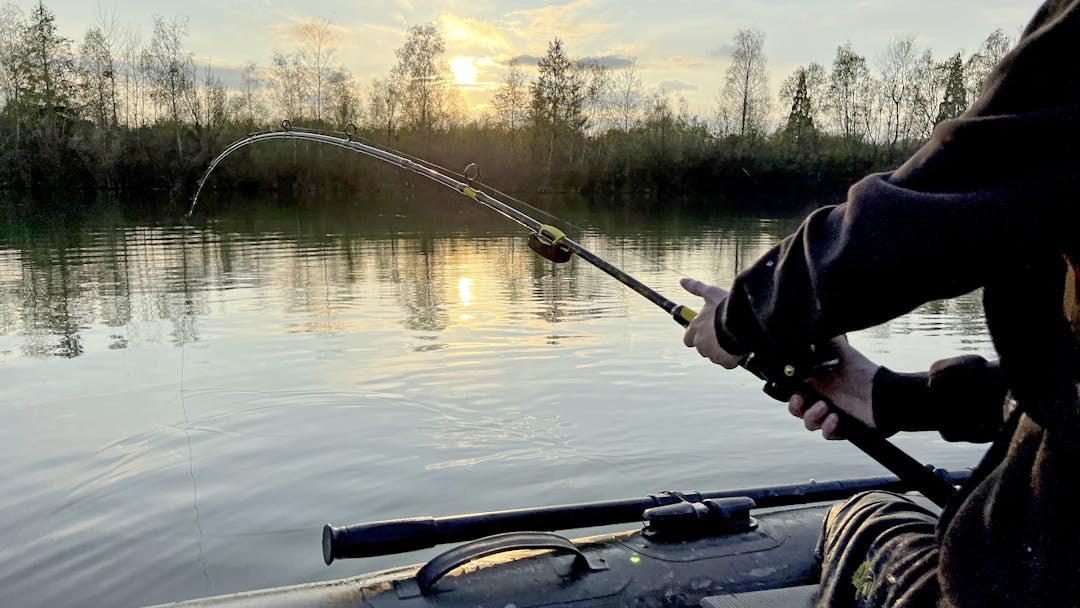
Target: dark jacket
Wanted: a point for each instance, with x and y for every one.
(990, 201)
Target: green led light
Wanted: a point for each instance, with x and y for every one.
(634, 559)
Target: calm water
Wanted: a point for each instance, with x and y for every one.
(184, 407)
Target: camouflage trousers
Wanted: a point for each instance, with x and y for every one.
(878, 549)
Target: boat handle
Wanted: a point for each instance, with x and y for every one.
(442, 564)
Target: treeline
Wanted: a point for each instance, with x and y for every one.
(118, 112)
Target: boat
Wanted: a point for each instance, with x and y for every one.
(728, 549)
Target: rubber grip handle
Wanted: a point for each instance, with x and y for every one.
(378, 538)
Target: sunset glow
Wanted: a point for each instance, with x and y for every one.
(683, 52)
(464, 70)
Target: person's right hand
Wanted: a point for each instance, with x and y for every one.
(849, 386)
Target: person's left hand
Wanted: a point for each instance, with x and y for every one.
(849, 386)
(701, 333)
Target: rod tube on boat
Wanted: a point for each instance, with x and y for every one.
(402, 535)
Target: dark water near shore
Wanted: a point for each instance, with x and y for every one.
(184, 406)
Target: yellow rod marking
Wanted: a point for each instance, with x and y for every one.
(551, 233)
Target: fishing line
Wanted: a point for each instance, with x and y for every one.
(187, 423)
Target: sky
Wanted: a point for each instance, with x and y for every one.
(681, 47)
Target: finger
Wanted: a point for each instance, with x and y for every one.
(688, 337)
(795, 406)
(815, 416)
(829, 427)
(694, 286)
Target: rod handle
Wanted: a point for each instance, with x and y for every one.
(922, 478)
(378, 538)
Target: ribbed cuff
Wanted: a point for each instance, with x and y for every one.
(901, 402)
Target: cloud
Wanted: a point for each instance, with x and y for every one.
(298, 30)
(675, 62)
(230, 77)
(463, 31)
(613, 62)
(671, 86)
(724, 50)
(567, 22)
(523, 60)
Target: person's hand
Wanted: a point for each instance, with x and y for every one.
(701, 333)
(849, 386)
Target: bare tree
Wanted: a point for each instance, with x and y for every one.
(423, 75)
(317, 51)
(983, 61)
(746, 89)
(929, 93)
(170, 70)
(290, 83)
(510, 101)
(898, 66)
(132, 80)
(112, 34)
(11, 27)
(342, 101)
(384, 104)
(510, 104)
(849, 93)
(98, 78)
(628, 95)
(208, 102)
(251, 106)
(596, 103)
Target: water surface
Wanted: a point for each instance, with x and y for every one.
(185, 405)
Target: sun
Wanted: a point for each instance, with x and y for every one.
(464, 70)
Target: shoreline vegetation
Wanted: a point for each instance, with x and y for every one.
(119, 113)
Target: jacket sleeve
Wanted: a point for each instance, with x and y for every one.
(963, 398)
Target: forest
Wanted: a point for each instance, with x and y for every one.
(117, 112)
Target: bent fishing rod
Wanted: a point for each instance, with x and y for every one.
(782, 378)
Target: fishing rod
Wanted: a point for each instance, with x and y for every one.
(782, 378)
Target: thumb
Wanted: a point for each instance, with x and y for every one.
(694, 286)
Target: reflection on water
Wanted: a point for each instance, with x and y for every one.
(58, 285)
(188, 404)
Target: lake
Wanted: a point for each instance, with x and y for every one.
(186, 404)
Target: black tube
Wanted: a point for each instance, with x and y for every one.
(402, 535)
